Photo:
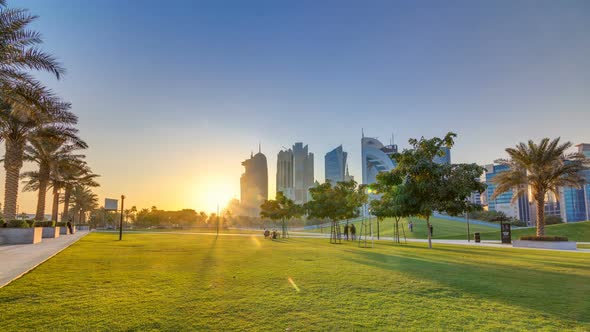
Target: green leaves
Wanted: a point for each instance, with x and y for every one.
(418, 186)
(338, 202)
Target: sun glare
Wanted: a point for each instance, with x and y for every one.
(212, 195)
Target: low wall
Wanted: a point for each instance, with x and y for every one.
(83, 228)
(65, 230)
(560, 245)
(51, 232)
(21, 235)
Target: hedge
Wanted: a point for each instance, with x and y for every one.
(17, 223)
(45, 224)
(543, 238)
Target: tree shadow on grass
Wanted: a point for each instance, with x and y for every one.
(562, 295)
(208, 261)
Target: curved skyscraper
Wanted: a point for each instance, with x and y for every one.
(375, 158)
(254, 184)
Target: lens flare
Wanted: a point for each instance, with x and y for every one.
(256, 241)
(293, 284)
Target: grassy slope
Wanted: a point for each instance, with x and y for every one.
(192, 282)
(442, 228)
(578, 231)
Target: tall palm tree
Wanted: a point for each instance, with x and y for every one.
(48, 147)
(83, 200)
(24, 102)
(80, 175)
(542, 168)
(67, 169)
(16, 131)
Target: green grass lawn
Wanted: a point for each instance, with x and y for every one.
(442, 228)
(575, 231)
(195, 282)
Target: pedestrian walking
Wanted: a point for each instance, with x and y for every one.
(346, 231)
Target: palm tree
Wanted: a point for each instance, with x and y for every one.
(83, 200)
(543, 168)
(48, 147)
(24, 103)
(16, 131)
(20, 50)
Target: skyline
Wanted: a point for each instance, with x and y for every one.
(235, 75)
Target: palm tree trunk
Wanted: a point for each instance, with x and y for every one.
(67, 195)
(55, 208)
(540, 214)
(43, 182)
(13, 162)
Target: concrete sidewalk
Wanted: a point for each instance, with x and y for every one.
(18, 259)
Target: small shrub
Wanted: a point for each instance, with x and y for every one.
(17, 223)
(61, 224)
(553, 220)
(543, 238)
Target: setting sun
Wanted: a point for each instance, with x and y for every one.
(212, 194)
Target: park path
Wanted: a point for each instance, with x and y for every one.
(295, 234)
(18, 259)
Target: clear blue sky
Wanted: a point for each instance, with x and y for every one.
(173, 95)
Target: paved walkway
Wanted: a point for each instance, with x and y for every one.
(295, 234)
(18, 259)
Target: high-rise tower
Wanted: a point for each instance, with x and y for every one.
(295, 172)
(254, 183)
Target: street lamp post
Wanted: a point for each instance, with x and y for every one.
(121, 220)
(217, 219)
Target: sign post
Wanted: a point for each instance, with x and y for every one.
(506, 233)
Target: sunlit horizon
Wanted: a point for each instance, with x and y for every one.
(171, 128)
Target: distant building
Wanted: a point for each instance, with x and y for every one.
(336, 169)
(445, 158)
(576, 201)
(295, 172)
(503, 203)
(376, 158)
(254, 184)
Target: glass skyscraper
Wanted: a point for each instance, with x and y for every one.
(336, 169)
(503, 203)
(445, 158)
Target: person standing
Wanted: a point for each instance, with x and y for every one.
(431, 231)
(346, 231)
(411, 226)
(353, 232)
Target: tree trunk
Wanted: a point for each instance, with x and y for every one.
(55, 207)
(540, 214)
(67, 195)
(43, 182)
(429, 233)
(13, 162)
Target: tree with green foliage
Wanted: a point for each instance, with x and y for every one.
(392, 202)
(542, 168)
(282, 209)
(430, 186)
(47, 147)
(335, 203)
(24, 102)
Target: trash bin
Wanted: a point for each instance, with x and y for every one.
(477, 237)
